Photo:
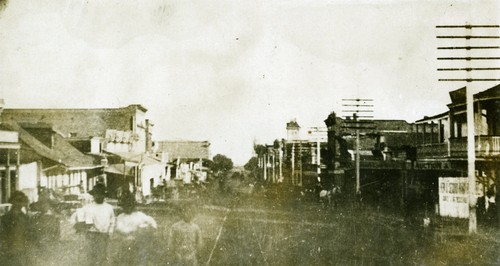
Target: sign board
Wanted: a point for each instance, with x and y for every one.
(454, 196)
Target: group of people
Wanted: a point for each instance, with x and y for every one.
(24, 239)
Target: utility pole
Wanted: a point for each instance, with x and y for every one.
(316, 135)
(471, 155)
(293, 164)
(357, 106)
(280, 154)
(358, 185)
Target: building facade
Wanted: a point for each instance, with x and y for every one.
(186, 159)
(442, 149)
(105, 139)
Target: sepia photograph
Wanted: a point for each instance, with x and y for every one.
(233, 132)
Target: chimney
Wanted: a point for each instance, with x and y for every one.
(149, 142)
(2, 105)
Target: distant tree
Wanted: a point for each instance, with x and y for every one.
(276, 143)
(221, 164)
(252, 164)
(3, 4)
(260, 150)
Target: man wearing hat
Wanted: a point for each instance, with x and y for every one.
(99, 219)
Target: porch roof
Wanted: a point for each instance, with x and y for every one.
(118, 169)
(137, 158)
(61, 151)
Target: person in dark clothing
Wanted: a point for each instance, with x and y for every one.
(184, 239)
(15, 232)
(46, 231)
(491, 212)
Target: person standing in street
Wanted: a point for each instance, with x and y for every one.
(133, 233)
(185, 240)
(46, 231)
(99, 220)
(15, 232)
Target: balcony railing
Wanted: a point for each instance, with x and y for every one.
(433, 150)
(486, 146)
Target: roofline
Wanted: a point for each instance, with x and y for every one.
(85, 167)
(433, 117)
(194, 141)
(138, 106)
(476, 97)
(72, 168)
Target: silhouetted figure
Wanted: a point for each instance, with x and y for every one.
(491, 212)
(15, 232)
(46, 230)
(185, 240)
(133, 233)
(44, 198)
(481, 209)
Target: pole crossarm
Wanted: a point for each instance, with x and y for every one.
(468, 26)
(467, 47)
(469, 80)
(469, 37)
(357, 111)
(469, 69)
(469, 58)
(358, 105)
(358, 100)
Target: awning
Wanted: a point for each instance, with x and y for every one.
(118, 169)
(137, 158)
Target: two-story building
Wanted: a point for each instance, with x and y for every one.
(442, 149)
(110, 136)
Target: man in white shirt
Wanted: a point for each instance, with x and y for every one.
(99, 219)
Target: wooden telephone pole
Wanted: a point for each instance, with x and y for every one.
(471, 82)
(361, 110)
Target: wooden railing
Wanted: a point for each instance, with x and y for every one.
(486, 146)
(433, 150)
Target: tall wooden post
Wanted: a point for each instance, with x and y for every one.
(471, 160)
(18, 160)
(294, 181)
(358, 185)
(8, 184)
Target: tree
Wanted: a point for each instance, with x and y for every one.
(260, 150)
(252, 164)
(221, 163)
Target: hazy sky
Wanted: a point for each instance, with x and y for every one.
(230, 71)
